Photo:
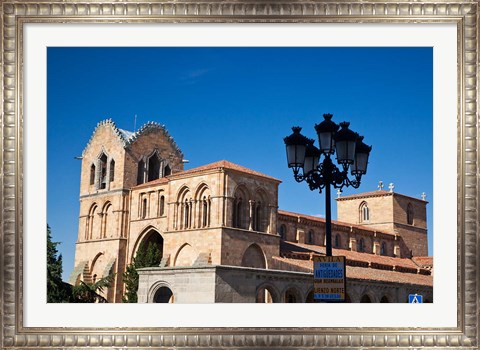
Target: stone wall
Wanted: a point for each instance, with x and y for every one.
(230, 284)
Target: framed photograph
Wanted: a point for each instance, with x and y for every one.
(54, 52)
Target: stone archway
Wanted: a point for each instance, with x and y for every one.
(151, 237)
(365, 299)
(266, 294)
(254, 257)
(291, 295)
(185, 256)
(163, 295)
(384, 299)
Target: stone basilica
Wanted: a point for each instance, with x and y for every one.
(221, 235)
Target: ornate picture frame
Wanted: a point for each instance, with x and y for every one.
(15, 14)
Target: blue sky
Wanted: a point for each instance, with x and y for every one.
(238, 104)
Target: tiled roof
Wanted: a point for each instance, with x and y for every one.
(292, 247)
(128, 137)
(423, 261)
(223, 164)
(339, 223)
(162, 180)
(361, 273)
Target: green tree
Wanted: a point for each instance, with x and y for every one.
(91, 292)
(57, 290)
(147, 256)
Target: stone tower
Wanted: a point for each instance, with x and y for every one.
(391, 212)
(113, 162)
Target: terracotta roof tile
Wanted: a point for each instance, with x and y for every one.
(162, 180)
(423, 261)
(362, 273)
(292, 247)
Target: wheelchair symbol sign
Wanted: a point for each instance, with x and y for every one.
(415, 299)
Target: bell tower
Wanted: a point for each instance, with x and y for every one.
(391, 212)
(113, 161)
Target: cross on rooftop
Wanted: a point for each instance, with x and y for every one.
(339, 193)
(380, 185)
(424, 196)
(391, 186)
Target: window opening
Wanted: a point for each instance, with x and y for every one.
(144, 208)
(364, 212)
(337, 241)
(383, 249)
(92, 174)
(141, 171)
(410, 214)
(103, 167)
(153, 168)
(167, 171)
(162, 205)
(361, 245)
(310, 237)
(112, 170)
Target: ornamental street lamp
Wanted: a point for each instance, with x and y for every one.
(304, 158)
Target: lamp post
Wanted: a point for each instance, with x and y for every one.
(304, 158)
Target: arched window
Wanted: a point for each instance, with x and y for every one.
(186, 220)
(364, 212)
(338, 241)
(92, 174)
(140, 172)
(167, 170)
(161, 205)
(361, 245)
(383, 248)
(144, 208)
(240, 209)
(153, 167)
(283, 231)
(257, 219)
(202, 207)
(92, 229)
(410, 214)
(89, 229)
(184, 210)
(107, 219)
(310, 237)
(112, 170)
(205, 211)
(103, 169)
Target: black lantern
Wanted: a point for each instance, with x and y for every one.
(345, 141)
(312, 157)
(296, 145)
(326, 131)
(362, 152)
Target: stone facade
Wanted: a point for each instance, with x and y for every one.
(220, 234)
(389, 212)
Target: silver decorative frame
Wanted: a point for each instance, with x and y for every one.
(14, 14)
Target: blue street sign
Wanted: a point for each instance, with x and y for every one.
(329, 278)
(415, 299)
